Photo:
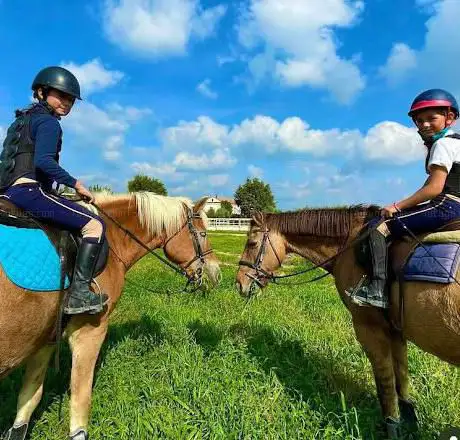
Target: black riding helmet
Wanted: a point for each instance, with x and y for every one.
(58, 78)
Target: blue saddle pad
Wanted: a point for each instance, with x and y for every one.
(29, 259)
(438, 265)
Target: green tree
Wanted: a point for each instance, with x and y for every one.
(255, 195)
(140, 182)
(226, 208)
(211, 213)
(221, 213)
(100, 188)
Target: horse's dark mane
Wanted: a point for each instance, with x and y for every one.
(323, 222)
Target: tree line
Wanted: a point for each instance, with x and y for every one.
(252, 195)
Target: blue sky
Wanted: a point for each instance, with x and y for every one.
(309, 95)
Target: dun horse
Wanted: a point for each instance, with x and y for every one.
(431, 313)
(27, 319)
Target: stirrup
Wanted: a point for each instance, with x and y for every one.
(18, 432)
(79, 434)
(83, 307)
(351, 291)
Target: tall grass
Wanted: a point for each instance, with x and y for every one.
(286, 366)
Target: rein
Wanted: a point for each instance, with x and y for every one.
(196, 278)
(261, 274)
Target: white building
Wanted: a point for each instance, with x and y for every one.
(215, 202)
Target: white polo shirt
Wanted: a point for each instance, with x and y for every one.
(445, 152)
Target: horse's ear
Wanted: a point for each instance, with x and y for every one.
(258, 218)
(199, 205)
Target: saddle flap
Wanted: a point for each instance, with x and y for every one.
(434, 262)
(11, 215)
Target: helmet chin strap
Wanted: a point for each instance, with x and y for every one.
(430, 140)
(45, 104)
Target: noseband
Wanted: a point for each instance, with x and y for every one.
(261, 274)
(196, 278)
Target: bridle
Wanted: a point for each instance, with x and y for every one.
(195, 279)
(262, 275)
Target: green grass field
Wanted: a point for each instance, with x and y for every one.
(286, 366)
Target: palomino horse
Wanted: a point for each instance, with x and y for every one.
(431, 311)
(27, 319)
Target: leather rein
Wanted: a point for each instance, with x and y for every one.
(196, 278)
(262, 275)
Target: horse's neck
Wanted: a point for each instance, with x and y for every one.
(315, 249)
(123, 246)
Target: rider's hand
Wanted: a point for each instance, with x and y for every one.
(84, 192)
(389, 211)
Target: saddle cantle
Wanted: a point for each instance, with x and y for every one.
(435, 260)
(30, 250)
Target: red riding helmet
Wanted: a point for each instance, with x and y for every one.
(434, 98)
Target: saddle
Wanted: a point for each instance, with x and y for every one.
(435, 257)
(65, 244)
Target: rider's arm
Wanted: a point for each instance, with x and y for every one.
(440, 162)
(47, 135)
(432, 188)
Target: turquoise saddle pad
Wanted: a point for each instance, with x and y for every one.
(29, 259)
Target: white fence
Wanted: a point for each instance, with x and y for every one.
(229, 224)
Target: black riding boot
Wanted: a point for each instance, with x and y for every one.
(80, 298)
(374, 293)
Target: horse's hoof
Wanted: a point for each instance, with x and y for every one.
(408, 414)
(393, 428)
(80, 434)
(17, 432)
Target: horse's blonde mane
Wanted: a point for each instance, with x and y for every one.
(159, 214)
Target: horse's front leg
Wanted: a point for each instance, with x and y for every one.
(375, 339)
(401, 370)
(31, 391)
(85, 343)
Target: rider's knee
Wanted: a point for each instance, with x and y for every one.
(383, 229)
(95, 228)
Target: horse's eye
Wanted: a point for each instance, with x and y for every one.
(252, 243)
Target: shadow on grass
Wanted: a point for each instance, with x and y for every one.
(206, 335)
(56, 385)
(306, 375)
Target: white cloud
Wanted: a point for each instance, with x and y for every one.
(255, 171)
(385, 142)
(401, 61)
(220, 159)
(160, 169)
(103, 128)
(441, 45)
(393, 142)
(157, 28)
(294, 42)
(93, 76)
(293, 134)
(204, 88)
(2, 134)
(164, 170)
(128, 113)
(225, 59)
(203, 132)
(111, 155)
(218, 179)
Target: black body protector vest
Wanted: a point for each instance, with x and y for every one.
(452, 185)
(17, 157)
